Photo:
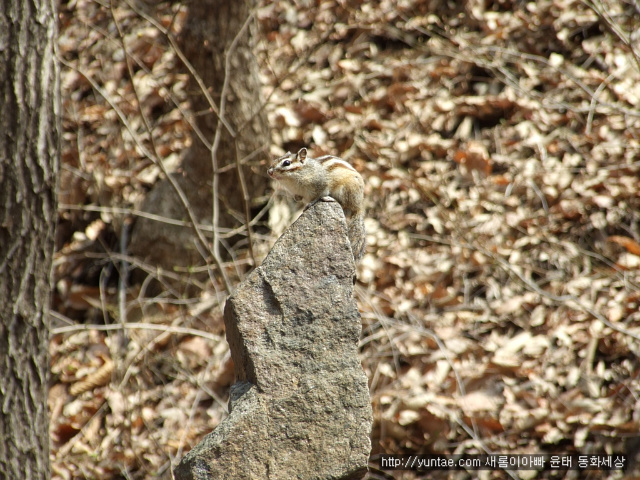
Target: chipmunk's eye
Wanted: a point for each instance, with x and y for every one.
(286, 163)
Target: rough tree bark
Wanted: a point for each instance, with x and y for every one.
(218, 41)
(29, 106)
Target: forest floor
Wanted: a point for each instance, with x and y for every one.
(500, 145)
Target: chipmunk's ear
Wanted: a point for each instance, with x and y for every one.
(302, 154)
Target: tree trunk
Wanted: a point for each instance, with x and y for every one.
(29, 107)
(218, 41)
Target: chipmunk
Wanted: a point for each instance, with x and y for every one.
(326, 179)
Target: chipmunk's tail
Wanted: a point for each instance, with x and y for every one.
(357, 235)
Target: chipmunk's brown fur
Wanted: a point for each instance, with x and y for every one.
(325, 178)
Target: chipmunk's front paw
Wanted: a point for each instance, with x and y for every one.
(321, 199)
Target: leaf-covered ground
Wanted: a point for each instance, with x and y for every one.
(500, 145)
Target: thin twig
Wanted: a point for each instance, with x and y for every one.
(290, 70)
(185, 61)
(594, 101)
(134, 212)
(245, 202)
(188, 116)
(217, 138)
(184, 200)
(131, 326)
(123, 277)
(533, 286)
(488, 57)
(602, 13)
(157, 160)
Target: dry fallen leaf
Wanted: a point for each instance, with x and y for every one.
(630, 244)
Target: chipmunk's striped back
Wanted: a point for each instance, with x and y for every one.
(331, 162)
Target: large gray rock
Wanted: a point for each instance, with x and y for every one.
(300, 409)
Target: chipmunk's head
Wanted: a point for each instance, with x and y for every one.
(289, 162)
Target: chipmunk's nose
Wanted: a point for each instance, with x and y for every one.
(270, 172)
